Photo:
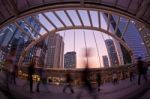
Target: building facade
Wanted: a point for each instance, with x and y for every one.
(113, 58)
(55, 52)
(12, 37)
(6, 35)
(70, 60)
(132, 38)
(105, 61)
(124, 56)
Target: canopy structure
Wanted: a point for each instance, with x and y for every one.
(13, 9)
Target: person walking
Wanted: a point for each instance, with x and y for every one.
(115, 79)
(14, 73)
(43, 80)
(98, 80)
(9, 64)
(141, 70)
(86, 84)
(68, 83)
(31, 71)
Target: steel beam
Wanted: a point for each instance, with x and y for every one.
(27, 3)
(116, 3)
(99, 19)
(40, 24)
(89, 16)
(117, 24)
(79, 16)
(22, 30)
(49, 20)
(59, 18)
(69, 18)
(31, 27)
(108, 21)
(125, 29)
(13, 7)
(142, 9)
(82, 2)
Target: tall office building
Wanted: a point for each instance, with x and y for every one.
(105, 61)
(135, 42)
(30, 54)
(124, 56)
(24, 40)
(10, 33)
(144, 32)
(40, 53)
(70, 60)
(132, 37)
(26, 28)
(19, 44)
(13, 37)
(111, 52)
(54, 54)
(6, 35)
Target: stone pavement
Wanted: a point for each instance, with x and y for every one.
(124, 90)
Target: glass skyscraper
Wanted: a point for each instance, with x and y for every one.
(70, 60)
(12, 37)
(113, 58)
(133, 39)
(105, 61)
(55, 53)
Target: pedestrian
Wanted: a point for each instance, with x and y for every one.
(85, 77)
(98, 80)
(86, 84)
(9, 64)
(141, 70)
(15, 73)
(31, 71)
(115, 79)
(131, 75)
(43, 79)
(68, 83)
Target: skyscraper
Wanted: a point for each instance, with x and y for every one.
(70, 60)
(19, 44)
(11, 36)
(144, 32)
(132, 37)
(54, 54)
(40, 53)
(6, 35)
(124, 56)
(134, 40)
(112, 52)
(26, 28)
(24, 40)
(105, 61)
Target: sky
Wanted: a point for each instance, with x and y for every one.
(68, 35)
(78, 45)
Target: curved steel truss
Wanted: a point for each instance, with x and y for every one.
(65, 19)
(13, 9)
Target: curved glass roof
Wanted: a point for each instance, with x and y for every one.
(12, 9)
(51, 21)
